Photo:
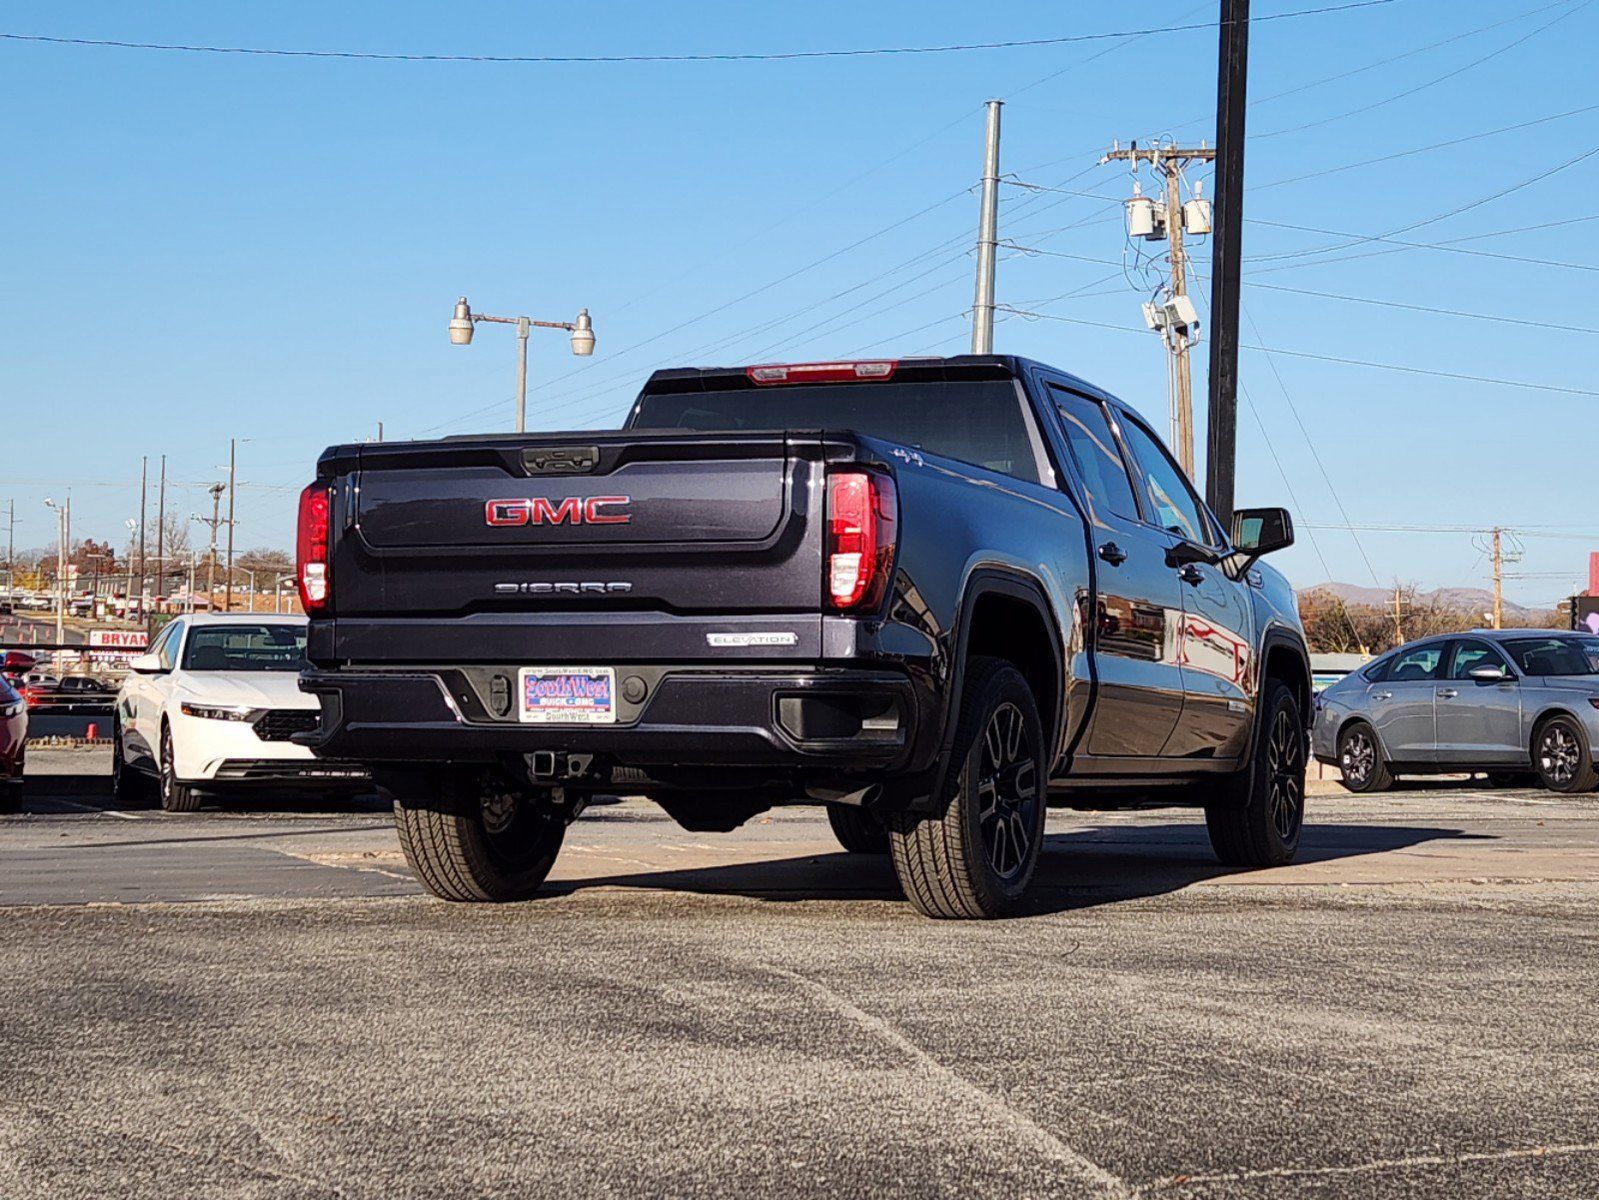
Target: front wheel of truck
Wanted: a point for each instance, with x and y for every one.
(474, 836)
(1256, 816)
(975, 856)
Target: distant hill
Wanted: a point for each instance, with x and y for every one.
(1476, 600)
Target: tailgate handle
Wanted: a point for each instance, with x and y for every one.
(560, 460)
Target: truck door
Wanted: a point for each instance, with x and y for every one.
(1138, 609)
(1215, 639)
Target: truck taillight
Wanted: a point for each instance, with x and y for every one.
(861, 510)
(311, 549)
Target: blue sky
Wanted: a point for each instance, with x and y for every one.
(206, 246)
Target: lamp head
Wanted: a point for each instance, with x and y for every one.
(583, 335)
(461, 324)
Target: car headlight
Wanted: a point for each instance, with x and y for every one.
(220, 712)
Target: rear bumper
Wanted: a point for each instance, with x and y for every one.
(843, 720)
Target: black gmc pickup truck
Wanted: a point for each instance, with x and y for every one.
(935, 595)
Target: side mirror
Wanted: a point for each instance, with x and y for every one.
(145, 664)
(1258, 531)
(1488, 674)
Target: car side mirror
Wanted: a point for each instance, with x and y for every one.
(145, 664)
(1258, 531)
(1488, 674)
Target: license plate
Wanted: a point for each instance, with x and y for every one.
(567, 695)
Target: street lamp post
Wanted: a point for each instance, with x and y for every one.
(582, 331)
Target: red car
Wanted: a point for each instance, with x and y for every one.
(38, 694)
(13, 740)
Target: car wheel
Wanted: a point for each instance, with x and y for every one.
(1259, 824)
(473, 836)
(176, 796)
(858, 830)
(1560, 752)
(1360, 760)
(975, 856)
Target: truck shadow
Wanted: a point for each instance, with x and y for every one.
(1082, 868)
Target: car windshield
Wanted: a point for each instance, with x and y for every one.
(1565, 655)
(245, 648)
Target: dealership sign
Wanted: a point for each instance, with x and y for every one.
(116, 646)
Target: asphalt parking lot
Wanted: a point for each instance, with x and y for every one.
(259, 1003)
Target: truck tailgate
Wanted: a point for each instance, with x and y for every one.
(540, 545)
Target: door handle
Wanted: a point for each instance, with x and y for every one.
(1191, 575)
(1113, 554)
(1447, 693)
(1382, 695)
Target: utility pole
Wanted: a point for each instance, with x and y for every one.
(1399, 628)
(11, 548)
(987, 238)
(215, 519)
(1499, 579)
(1232, 75)
(1176, 319)
(160, 532)
(144, 483)
(233, 447)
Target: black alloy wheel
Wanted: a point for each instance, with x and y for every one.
(1285, 771)
(1007, 791)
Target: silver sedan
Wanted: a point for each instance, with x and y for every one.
(1521, 705)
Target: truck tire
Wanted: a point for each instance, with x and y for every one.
(858, 830)
(1561, 754)
(1360, 760)
(974, 857)
(176, 796)
(470, 837)
(1256, 818)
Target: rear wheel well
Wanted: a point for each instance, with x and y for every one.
(1011, 628)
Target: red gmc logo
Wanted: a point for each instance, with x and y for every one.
(568, 510)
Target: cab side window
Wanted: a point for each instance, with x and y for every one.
(1093, 446)
(1169, 500)
(1417, 663)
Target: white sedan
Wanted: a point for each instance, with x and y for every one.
(212, 704)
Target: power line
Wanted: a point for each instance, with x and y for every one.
(1315, 83)
(767, 56)
(1331, 358)
(1470, 137)
(1447, 246)
(1424, 308)
(1360, 239)
(1365, 108)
